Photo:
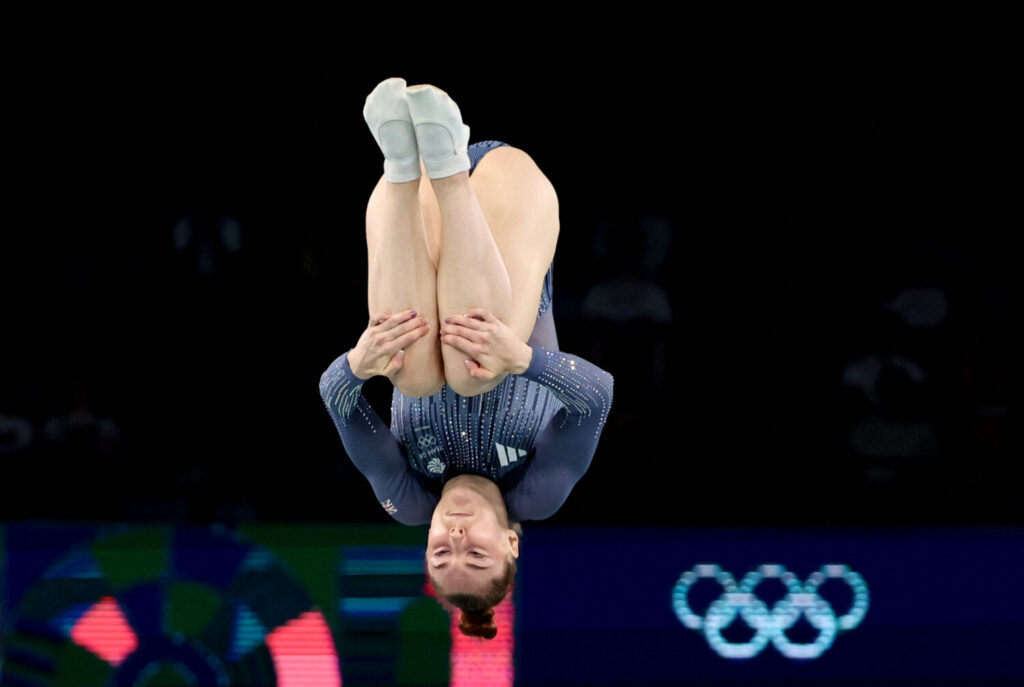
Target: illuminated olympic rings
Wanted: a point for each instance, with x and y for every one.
(770, 624)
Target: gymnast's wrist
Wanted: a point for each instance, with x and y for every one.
(523, 360)
(352, 369)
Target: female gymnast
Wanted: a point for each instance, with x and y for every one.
(490, 423)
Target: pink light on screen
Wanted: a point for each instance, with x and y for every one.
(104, 631)
(480, 662)
(303, 652)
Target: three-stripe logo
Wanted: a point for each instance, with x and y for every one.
(508, 454)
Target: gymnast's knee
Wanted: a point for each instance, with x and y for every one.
(419, 381)
(464, 384)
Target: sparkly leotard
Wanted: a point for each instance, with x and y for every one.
(534, 434)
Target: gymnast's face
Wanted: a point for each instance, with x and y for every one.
(468, 544)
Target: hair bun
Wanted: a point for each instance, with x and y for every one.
(478, 623)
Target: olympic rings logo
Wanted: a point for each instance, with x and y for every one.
(770, 625)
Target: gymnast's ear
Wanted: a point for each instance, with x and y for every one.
(513, 541)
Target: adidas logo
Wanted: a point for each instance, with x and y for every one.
(508, 454)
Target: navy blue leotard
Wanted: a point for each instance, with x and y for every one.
(534, 434)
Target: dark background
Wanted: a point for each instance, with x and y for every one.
(778, 179)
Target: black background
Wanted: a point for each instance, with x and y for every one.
(811, 167)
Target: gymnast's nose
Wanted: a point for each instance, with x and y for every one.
(457, 531)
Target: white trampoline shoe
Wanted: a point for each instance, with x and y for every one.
(441, 136)
(387, 115)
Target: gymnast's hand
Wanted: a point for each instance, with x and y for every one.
(380, 350)
(492, 347)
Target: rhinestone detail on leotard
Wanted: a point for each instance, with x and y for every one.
(462, 433)
(575, 389)
(344, 396)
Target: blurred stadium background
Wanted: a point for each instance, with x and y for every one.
(790, 238)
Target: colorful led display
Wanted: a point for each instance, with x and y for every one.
(485, 663)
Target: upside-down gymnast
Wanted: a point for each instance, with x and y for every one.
(490, 423)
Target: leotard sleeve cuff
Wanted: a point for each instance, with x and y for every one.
(341, 391)
(537, 363)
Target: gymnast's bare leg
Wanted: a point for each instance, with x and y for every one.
(403, 274)
(445, 245)
(498, 230)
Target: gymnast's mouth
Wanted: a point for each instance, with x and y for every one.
(458, 515)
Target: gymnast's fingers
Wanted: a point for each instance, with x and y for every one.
(379, 317)
(397, 319)
(475, 369)
(407, 326)
(466, 321)
(417, 332)
(480, 314)
(462, 345)
(473, 335)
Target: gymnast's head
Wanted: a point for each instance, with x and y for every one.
(471, 552)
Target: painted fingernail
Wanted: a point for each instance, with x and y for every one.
(447, 319)
(412, 314)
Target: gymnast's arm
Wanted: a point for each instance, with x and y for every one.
(373, 449)
(564, 448)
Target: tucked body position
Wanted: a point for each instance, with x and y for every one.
(491, 424)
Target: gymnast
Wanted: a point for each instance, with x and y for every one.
(490, 423)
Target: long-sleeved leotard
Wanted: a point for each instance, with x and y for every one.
(534, 434)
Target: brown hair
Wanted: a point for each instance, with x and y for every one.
(477, 617)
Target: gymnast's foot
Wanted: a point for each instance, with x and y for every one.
(441, 136)
(387, 114)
